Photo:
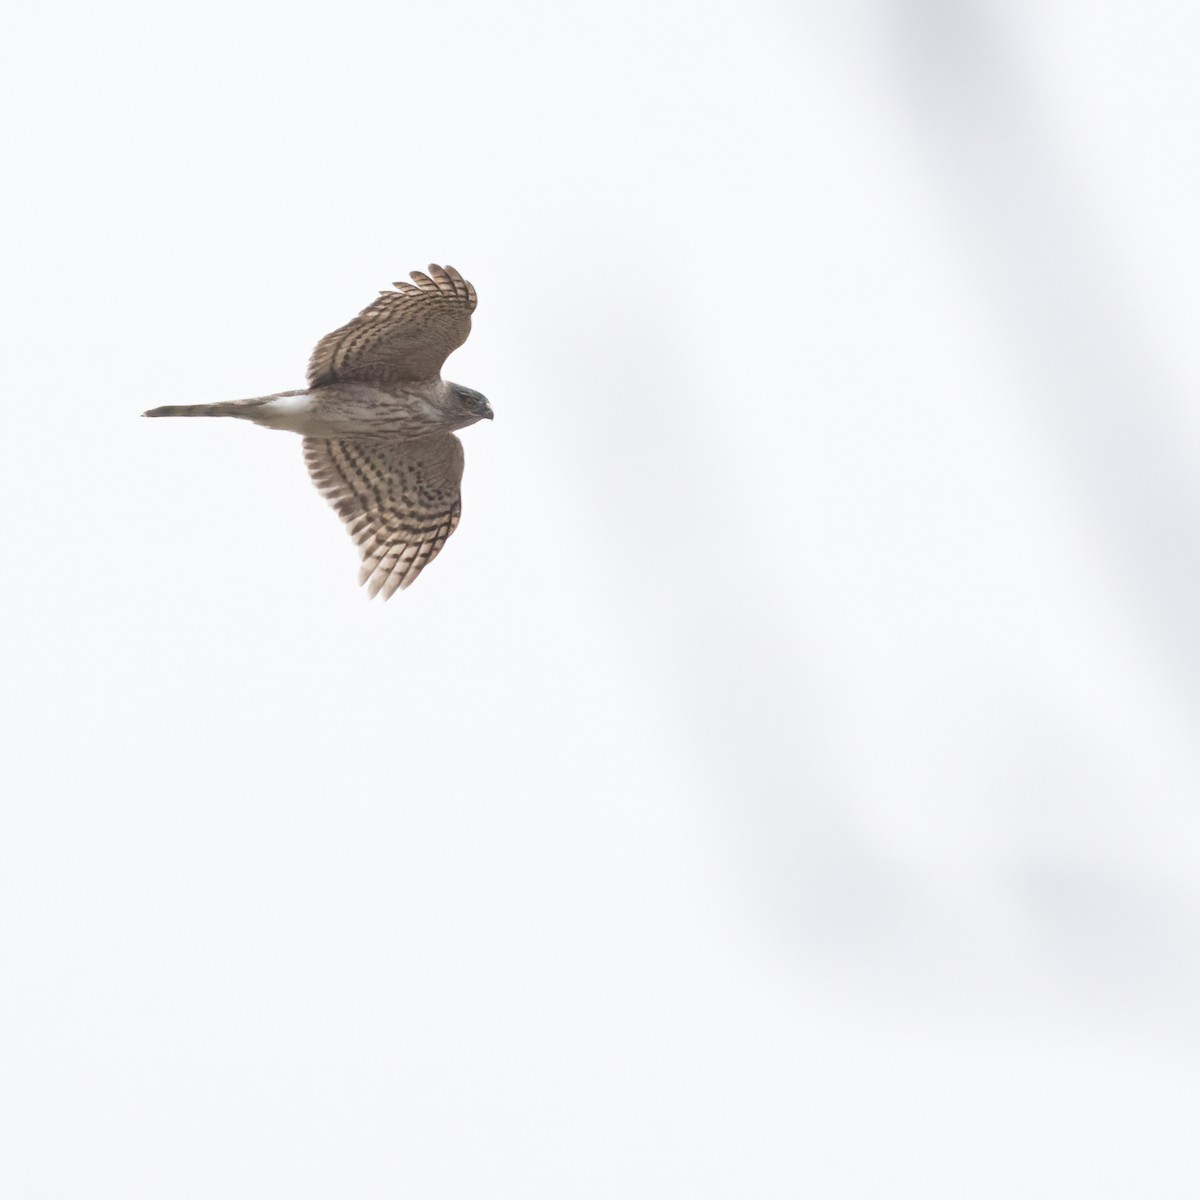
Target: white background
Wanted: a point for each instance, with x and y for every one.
(786, 781)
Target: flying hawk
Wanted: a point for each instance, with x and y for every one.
(378, 421)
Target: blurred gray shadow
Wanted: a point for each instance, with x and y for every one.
(702, 602)
(1056, 290)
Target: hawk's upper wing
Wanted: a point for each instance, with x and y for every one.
(403, 337)
(400, 500)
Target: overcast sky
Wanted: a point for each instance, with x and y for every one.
(785, 782)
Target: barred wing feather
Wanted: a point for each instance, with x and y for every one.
(399, 500)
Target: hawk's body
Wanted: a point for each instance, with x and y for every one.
(378, 421)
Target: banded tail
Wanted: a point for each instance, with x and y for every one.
(247, 410)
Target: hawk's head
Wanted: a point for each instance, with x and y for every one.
(475, 404)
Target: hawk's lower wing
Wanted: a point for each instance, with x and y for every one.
(399, 499)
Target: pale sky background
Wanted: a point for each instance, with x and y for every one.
(785, 784)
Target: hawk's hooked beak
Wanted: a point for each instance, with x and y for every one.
(488, 414)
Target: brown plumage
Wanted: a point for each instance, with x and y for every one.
(377, 420)
(404, 336)
(399, 500)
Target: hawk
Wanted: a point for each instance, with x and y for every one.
(378, 421)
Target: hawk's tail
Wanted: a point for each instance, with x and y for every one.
(248, 410)
(195, 410)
